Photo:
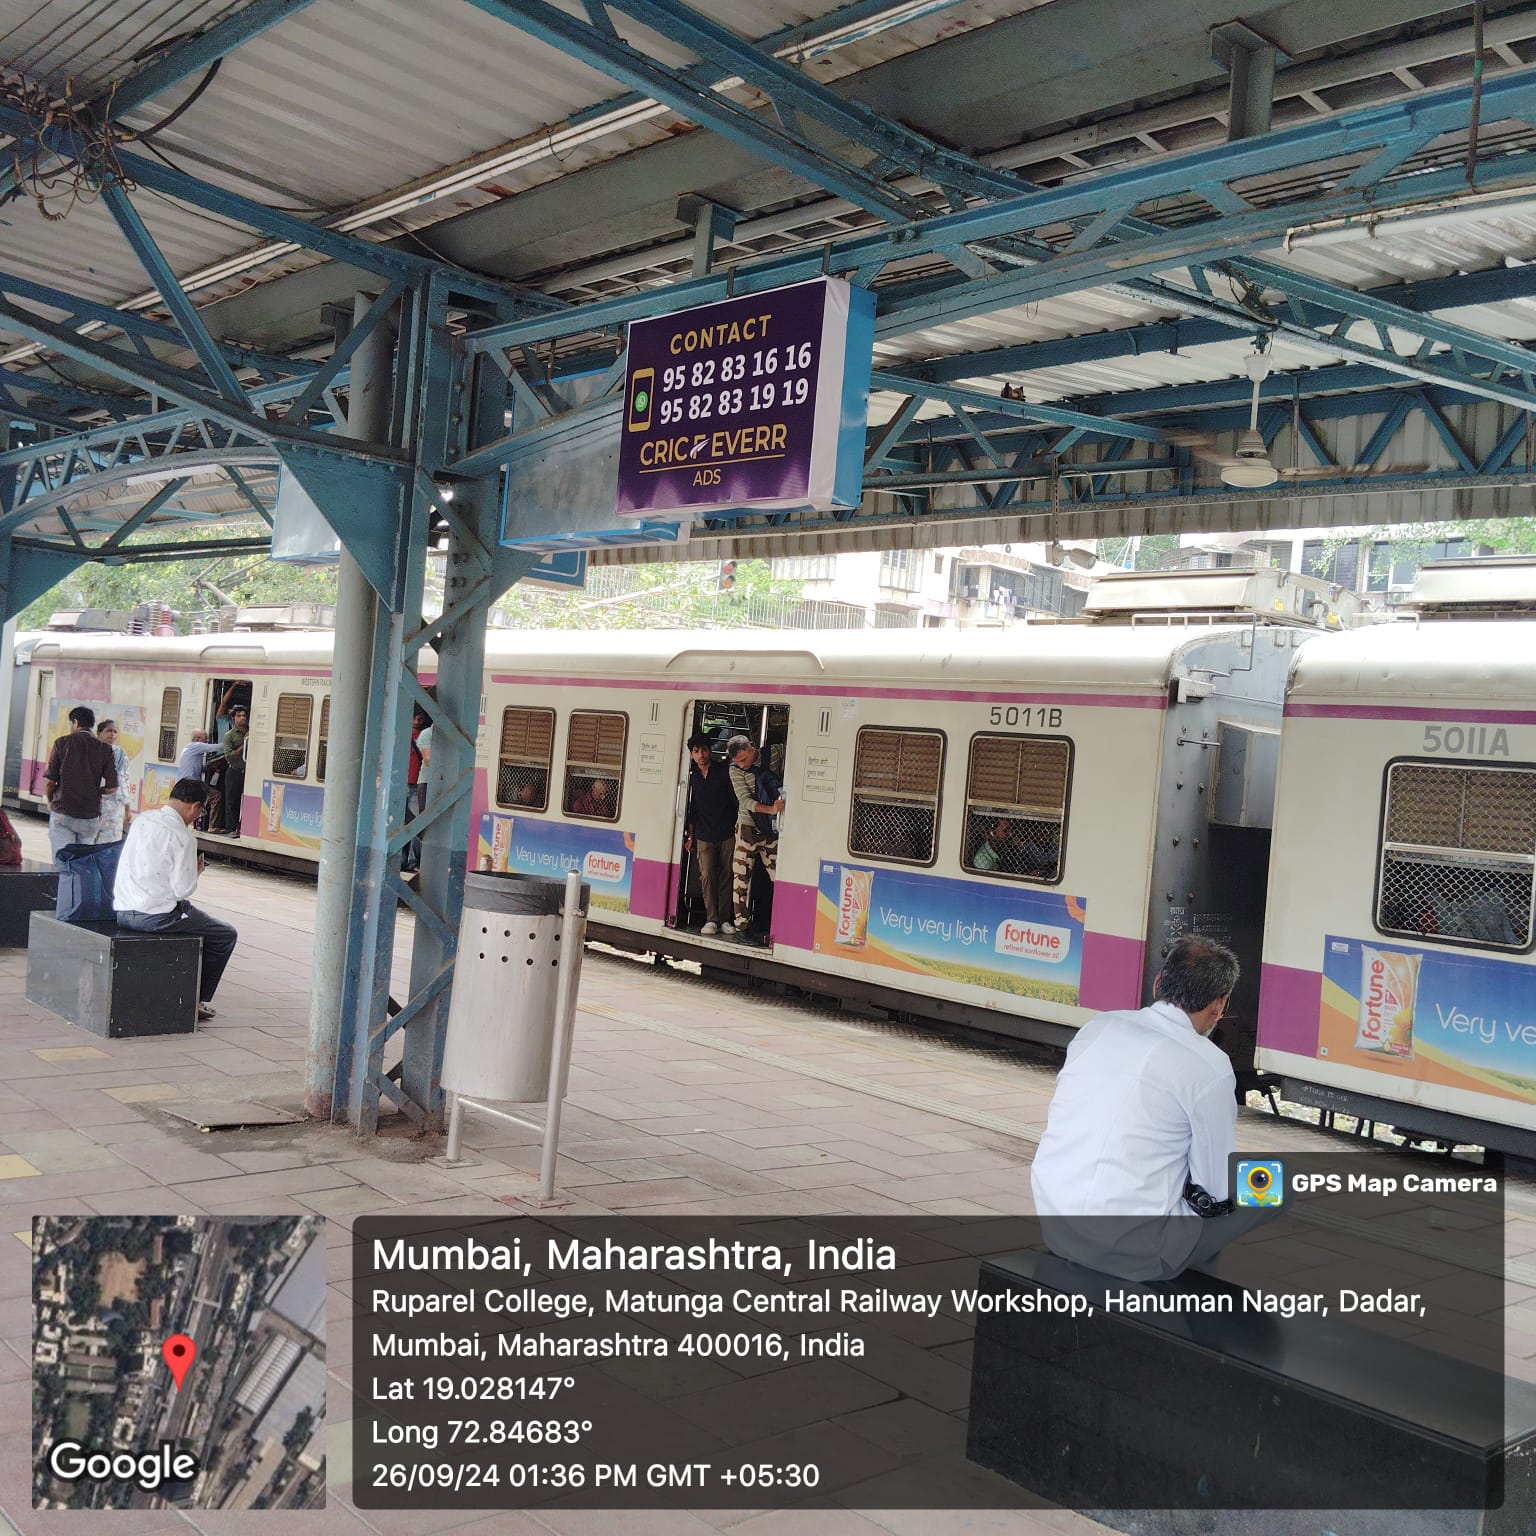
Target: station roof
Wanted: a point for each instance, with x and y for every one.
(495, 140)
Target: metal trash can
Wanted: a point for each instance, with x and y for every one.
(501, 1022)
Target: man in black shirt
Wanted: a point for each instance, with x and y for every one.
(712, 832)
(79, 768)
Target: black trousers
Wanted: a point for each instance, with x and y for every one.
(187, 922)
(234, 794)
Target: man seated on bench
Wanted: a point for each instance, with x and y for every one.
(157, 877)
(1141, 1130)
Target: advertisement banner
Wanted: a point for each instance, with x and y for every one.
(1459, 1019)
(754, 402)
(290, 814)
(527, 845)
(158, 781)
(1006, 938)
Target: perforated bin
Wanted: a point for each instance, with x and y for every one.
(501, 1022)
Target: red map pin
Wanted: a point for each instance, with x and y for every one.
(178, 1352)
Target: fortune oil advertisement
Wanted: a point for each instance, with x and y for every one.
(290, 813)
(1005, 937)
(528, 845)
(1458, 1019)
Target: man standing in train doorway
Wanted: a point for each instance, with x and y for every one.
(1131, 1178)
(757, 832)
(234, 768)
(711, 834)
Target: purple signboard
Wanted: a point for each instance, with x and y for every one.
(758, 402)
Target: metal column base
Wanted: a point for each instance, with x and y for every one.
(453, 1156)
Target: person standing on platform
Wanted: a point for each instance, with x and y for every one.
(415, 791)
(1131, 1178)
(114, 802)
(79, 768)
(757, 836)
(711, 833)
(234, 768)
(157, 878)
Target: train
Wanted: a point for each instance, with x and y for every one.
(1002, 830)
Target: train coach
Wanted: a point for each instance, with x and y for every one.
(1399, 983)
(1003, 829)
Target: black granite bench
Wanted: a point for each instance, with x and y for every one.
(1151, 1416)
(25, 888)
(111, 980)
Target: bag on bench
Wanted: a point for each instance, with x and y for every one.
(10, 844)
(87, 873)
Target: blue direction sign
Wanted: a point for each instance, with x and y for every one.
(758, 402)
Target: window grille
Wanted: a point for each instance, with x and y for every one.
(323, 742)
(170, 715)
(896, 781)
(523, 761)
(290, 744)
(594, 765)
(1016, 807)
(1458, 850)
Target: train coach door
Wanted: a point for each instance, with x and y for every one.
(765, 725)
(41, 744)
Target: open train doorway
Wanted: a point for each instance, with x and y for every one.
(717, 721)
(227, 719)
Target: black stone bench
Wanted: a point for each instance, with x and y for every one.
(1146, 1417)
(111, 980)
(25, 888)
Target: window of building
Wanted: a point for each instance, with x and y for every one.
(1016, 807)
(170, 715)
(896, 781)
(290, 743)
(594, 765)
(805, 567)
(524, 759)
(323, 742)
(1458, 848)
(1340, 565)
(899, 568)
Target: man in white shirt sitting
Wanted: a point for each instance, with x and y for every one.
(1144, 1109)
(157, 876)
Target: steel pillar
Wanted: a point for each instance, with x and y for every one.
(1250, 59)
(368, 413)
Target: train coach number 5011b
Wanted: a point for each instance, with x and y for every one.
(1043, 718)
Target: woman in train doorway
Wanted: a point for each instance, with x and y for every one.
(114, 802)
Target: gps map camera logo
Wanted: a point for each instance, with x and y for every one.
(1260, 1183)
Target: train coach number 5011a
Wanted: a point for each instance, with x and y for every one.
(1043, 718)
(1467, 740)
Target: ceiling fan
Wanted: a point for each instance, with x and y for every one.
(1249, 466)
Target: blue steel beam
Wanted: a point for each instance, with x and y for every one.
(907, 308)
(610, 55)
(160, 274)
(787, 87)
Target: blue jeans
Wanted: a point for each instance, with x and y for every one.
(64, 830)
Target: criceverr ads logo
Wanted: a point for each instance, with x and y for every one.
(1033, 941)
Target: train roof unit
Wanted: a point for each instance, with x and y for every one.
(1265, 593)
(1494, 587)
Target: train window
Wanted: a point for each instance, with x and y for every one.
(170, 714)
(896, 779)
(290, 745)
(1458, 850)
(527, 752)
(594, 765)
(1016, 807)
(324, 738)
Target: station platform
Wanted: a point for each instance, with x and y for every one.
(686, 1098)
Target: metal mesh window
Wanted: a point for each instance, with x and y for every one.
(1458, 850)
(170, 714)
(290, 746)
(594, 765)
(324, 738)
(896, 780)
(523, 762)
(1016, 807)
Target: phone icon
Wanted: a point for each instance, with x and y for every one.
(641, 388)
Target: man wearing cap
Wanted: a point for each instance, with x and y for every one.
(757, 836)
